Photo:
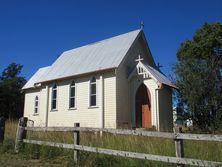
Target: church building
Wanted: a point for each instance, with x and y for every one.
(113, 83)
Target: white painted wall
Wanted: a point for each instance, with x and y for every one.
(39, 119)
(110, 101)
(124, 87)
(165, 109)
(85, 115)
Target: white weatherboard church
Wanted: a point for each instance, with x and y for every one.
(113, 83)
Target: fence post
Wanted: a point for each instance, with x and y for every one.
(21, 133)
(76, 142)
(2, 129)
(178, 145)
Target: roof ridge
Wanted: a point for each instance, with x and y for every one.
(93, 57)
(103, 40)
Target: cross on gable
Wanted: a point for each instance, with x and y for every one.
(159, 66)
(139, 59)
(141, 25)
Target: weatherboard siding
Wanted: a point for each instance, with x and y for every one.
(110, 101)
(39, 119)
(165, 109)
(122, 95)
(81, 114)
(84, 114)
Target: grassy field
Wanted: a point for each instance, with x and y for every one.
(32, 155)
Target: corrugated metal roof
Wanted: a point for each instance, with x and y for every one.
(159, 76)
(97, 56)
(35, 77)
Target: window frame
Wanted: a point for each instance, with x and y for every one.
(54, 88)
(72, 85)
(36, 107)
(91, 83)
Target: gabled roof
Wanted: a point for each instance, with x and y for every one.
(97, 56)
(151, 72)
(160, 78)
(31, 82)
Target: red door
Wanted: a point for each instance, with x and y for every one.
(146, 116)
(143, 113)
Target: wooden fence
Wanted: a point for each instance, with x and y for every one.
(177, 136)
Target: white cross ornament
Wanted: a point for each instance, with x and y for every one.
(139, 59)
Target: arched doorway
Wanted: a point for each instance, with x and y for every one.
(143, 113)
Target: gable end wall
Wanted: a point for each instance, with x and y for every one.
(124, 115)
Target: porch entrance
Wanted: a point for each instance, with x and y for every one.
(143, 113)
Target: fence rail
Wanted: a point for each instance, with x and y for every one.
(184, 136)
(177, 136)
(168, 159)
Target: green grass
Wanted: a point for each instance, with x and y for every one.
(33, 155)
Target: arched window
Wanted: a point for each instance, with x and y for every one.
(93, 92)
(72, 95)
(36, 108)
(54, 97)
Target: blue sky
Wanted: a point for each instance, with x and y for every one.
(35, 32)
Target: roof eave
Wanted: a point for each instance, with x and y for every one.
(78, 75)
(160, 85)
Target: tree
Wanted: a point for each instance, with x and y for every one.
(198, 75)
(11, 98)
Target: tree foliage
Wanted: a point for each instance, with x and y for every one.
(198, 74)
(11, 97)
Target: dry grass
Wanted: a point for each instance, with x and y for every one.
(12, 160)
(10, 129)
(55, 156)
